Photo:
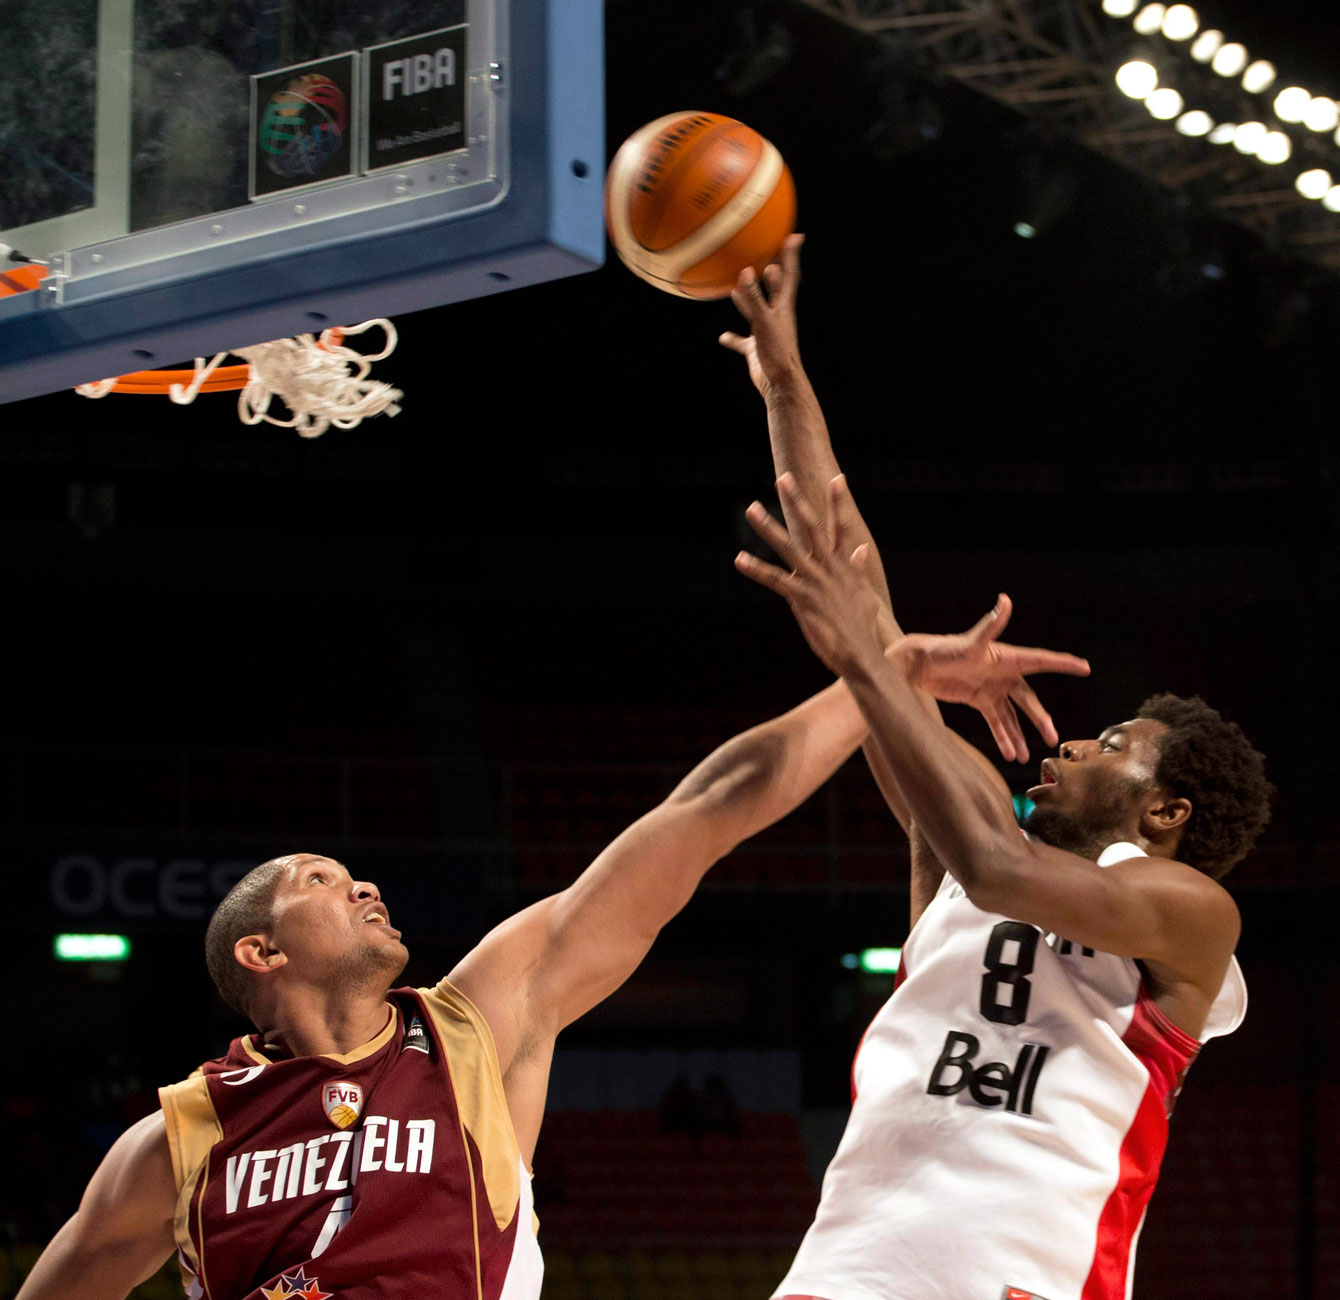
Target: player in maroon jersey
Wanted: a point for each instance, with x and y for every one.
(374, 1141)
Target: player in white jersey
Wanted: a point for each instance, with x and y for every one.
(1011, 1101)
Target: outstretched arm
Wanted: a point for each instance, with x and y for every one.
(1154, 909)
(121, 1234)
(544, 967)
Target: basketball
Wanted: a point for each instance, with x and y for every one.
(691, 199)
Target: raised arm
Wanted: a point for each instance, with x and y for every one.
(797, 430)
(540, 970)
(121, 1234)
(1160, 911)
(802, 450)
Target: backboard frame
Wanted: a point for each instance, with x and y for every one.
(106, 311)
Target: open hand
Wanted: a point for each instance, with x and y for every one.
(769, 306)
(846, 623)
(976, 668)
(839, 612)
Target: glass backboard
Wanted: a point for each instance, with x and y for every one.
(203, 174)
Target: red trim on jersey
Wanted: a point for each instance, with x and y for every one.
(1166, 1052)
(897, 984)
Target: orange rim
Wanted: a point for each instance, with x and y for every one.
(20, 279)
(224, 379)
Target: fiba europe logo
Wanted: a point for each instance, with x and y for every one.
(303, 125)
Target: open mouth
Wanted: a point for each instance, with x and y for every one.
(1047, 781)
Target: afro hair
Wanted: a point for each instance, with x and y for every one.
(1209, 761)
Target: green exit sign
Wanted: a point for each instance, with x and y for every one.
(91, 947)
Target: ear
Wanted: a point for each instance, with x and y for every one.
(255, 952)
(1165, 814)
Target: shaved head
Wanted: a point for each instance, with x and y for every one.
(245, 909)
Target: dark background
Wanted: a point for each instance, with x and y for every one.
(461, 648)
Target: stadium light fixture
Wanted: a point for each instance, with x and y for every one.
(1196, 122)
(1150, 19)
(1315, 183)
(1137, 78)
(1249, 137)
(1276, 148)
(1229, 60)
(1120, 8)
(1223, 133)
(1165, 103)
(1181, 23)
(1259, 76)
(1321, 115)
(1291, 104)
(1331, 199)
(1206, 45)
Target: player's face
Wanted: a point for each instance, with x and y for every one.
(330, 925)
(1093, 788)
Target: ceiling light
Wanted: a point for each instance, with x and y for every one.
(1119, 8)
(1259, 76)
(1149, 19)
(1331, 199)
(1321, 115)
(1230, 59)
(1206, 45)
(1291, 104)
(1314, 184)
(1275, 148)
(1223, 133)
(1137, 78)
(1196, 122)
(1165, 104)
(1180, 23)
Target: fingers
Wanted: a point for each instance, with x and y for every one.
(1026, 698)
(765, 574)
(993, 622)
(1026, 660)
(1000, 731)
(846, 520)
(735, 342)
(748, 295)
(1010, 723)
(788, 281)
(799, 509)
(774, 534)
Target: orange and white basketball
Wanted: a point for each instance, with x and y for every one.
(691, 199)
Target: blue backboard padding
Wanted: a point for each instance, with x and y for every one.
(547, 225)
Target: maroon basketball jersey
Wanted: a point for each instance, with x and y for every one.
(390, 1171)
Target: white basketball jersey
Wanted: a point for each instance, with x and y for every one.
(1009, 1116)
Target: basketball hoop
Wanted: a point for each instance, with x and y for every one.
(321, 381)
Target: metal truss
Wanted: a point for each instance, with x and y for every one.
(1053, 60)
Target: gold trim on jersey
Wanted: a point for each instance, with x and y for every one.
(378, 1040)
(192, 1130)
(472, 1059)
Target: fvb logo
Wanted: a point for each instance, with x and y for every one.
(342, 1101)
(296, 1286)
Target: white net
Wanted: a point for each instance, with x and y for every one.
(320, 380)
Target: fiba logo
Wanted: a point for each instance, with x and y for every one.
(303, 125)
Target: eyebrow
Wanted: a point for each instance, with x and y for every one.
(1119, 730)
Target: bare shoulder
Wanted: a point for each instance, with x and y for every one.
(1200, 899)
(1201, 927)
